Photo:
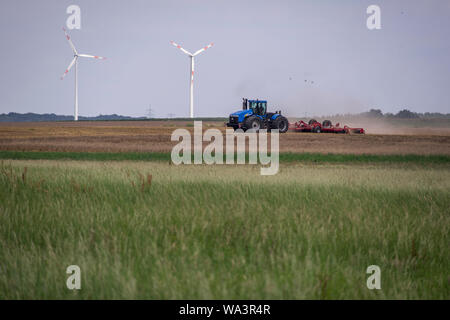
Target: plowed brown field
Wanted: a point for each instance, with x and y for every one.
(154, 136)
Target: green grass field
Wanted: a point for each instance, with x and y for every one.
(223, 232)
(283, 157)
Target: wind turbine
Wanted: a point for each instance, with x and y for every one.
(75, 61)
(191, 92)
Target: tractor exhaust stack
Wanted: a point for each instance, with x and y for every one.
(244, 104)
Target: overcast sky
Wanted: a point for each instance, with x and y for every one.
(262, 49)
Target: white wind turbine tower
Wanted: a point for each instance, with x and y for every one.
(75, 61)
(191, 92)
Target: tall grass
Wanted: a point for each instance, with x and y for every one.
(155, 231)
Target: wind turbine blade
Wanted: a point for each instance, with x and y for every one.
(179, 47)
(70, 41)
(68, 68)
(90, 56)
(203, 49)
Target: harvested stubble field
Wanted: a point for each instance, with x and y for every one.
(154, 136)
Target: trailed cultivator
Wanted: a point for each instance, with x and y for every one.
(326, 126)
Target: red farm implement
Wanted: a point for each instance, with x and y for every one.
(326, 126)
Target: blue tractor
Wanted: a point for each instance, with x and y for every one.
(254, 115)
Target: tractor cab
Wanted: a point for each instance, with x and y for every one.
(258, 107)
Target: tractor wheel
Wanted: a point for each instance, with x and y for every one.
(252, 122)
(281, 123)
(317, 129)
(326, 123)
(310, 122)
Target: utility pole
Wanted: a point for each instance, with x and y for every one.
(149, 112)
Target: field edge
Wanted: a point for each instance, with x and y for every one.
(283, 157)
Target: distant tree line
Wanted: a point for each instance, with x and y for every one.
(36, 117)
(28, 117)
(404, 114)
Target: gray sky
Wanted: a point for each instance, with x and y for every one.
(262, 49)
